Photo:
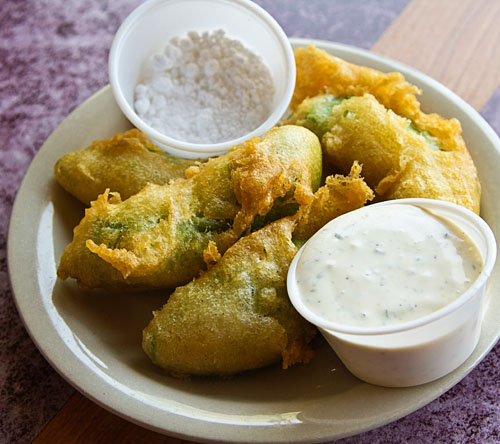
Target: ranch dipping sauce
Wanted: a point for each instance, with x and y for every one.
(385, 265)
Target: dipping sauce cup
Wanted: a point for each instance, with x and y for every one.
(150, 27)
(415, 351)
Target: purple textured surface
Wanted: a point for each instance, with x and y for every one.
(53, 55)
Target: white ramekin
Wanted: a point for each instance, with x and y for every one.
(424, 349)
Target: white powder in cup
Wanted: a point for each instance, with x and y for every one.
(205, 88)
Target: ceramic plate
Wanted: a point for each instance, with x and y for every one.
(93, 339)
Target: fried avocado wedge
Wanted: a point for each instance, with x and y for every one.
(314, 113)
(157, 237)
(319, 72)
(125, 164)
(398, 160)
(237, 315)
(404, 151)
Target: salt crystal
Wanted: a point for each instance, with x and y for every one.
(239, 60)
(158, 62)
(162, 84)
(141, 90)
(185, 44)
(159, 102)
(219, 34)
(172, 52)
(204, 54)
(192, 70)
(194, 36)
(216, 52)
(142, 106)
(170, 63)
(174, 74)
(211, 67)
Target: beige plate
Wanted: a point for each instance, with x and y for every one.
(93, 339)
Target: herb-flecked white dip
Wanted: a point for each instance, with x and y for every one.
(385, 265)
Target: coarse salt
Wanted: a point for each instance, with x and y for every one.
(205, 88)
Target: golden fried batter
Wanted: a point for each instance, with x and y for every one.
(338, 196)
(361, 114)
(398, 162)
(157, 237)
(237, 316)
(319, 72)
(314, 113)
(125, 164)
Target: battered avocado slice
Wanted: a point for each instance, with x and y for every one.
(125, 164)
(157, 237)
(237, 315)
(314, 113)
(432, 141)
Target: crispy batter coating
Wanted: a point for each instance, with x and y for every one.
(237, 316)
(314, 113)
(287, 167)
(375, 118)
(397, 160)
(319, 72)
(338, 196)
(157, 237)
(125, 164)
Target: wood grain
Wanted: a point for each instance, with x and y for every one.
(455, 42)
(81, 421)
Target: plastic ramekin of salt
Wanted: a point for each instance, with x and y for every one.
(200, 76)
(205, 88)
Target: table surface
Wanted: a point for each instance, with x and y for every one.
(53, 55)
